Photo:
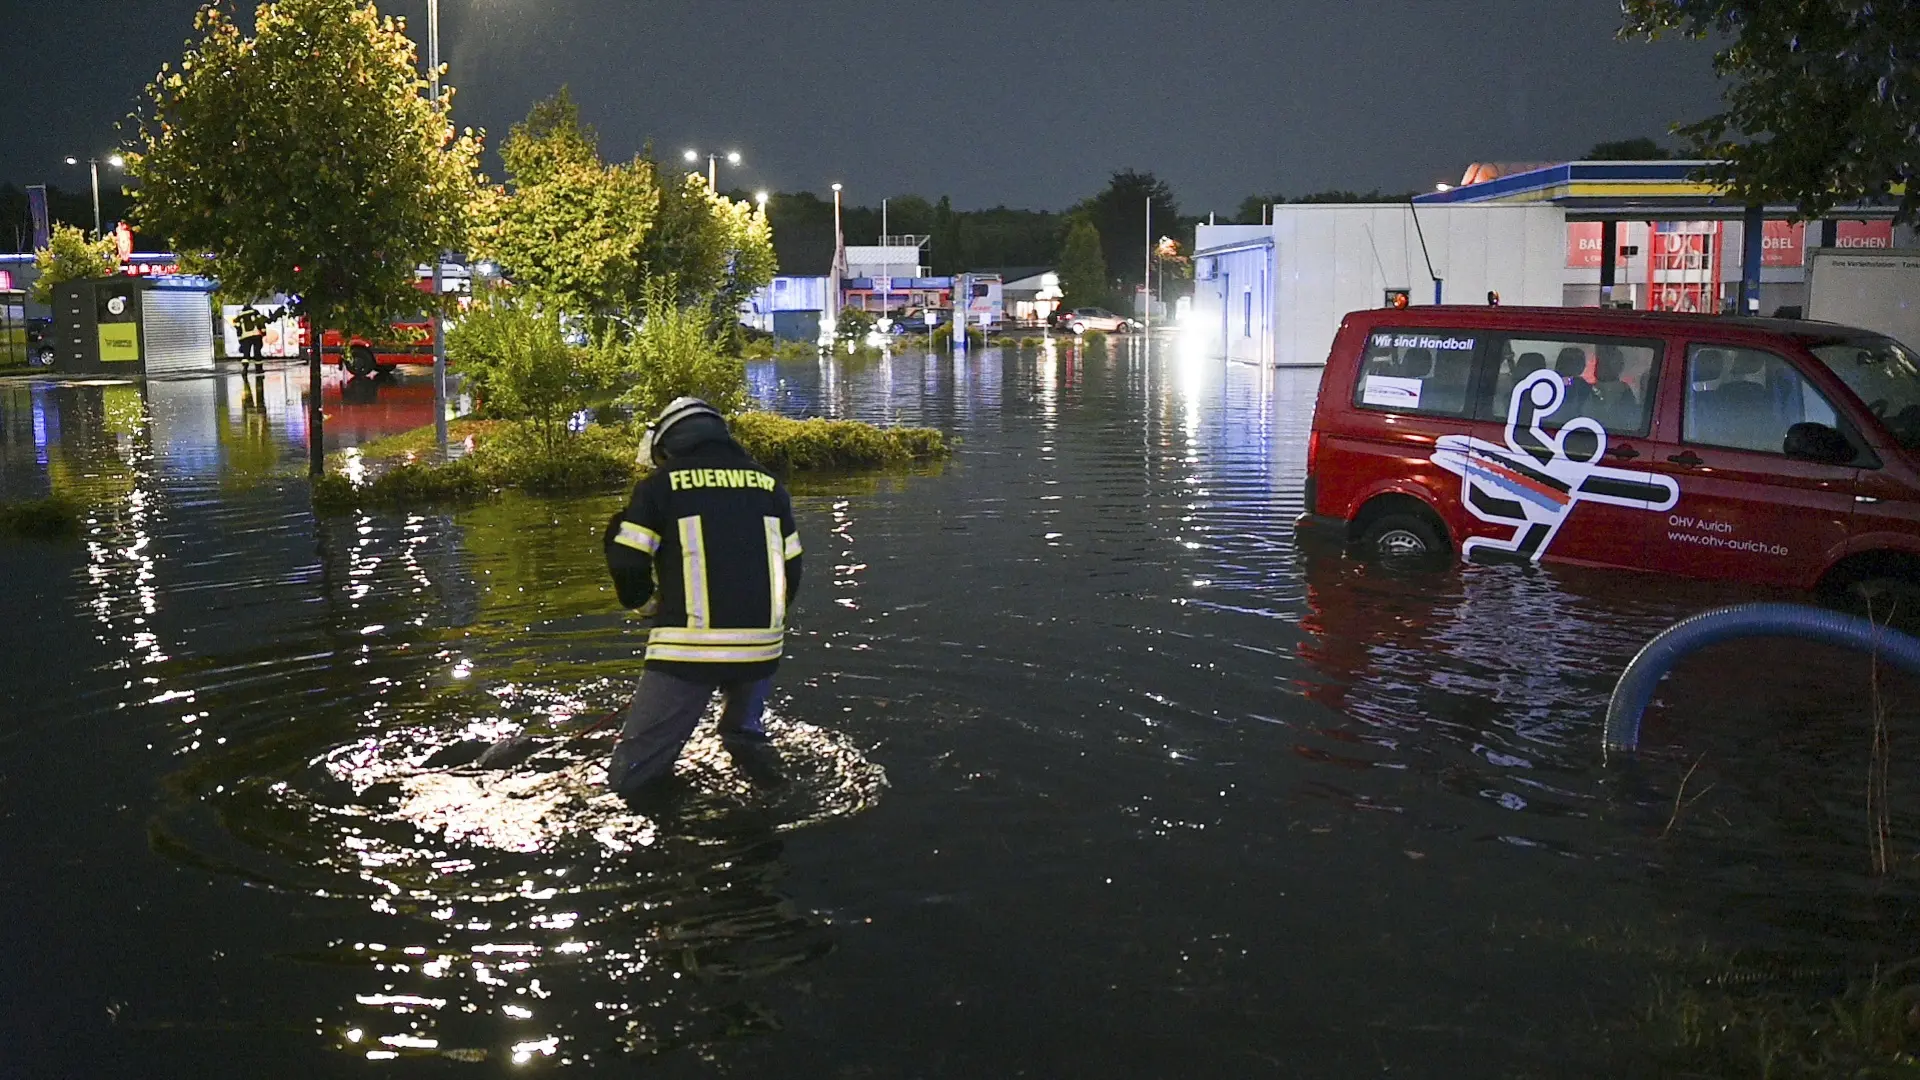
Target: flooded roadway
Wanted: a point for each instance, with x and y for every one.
(1083, 767)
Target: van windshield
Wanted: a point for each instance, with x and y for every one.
(1885, 376)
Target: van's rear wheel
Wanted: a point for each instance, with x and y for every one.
(360, 362)
(1403, 536)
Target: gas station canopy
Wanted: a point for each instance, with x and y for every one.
(1600, 190)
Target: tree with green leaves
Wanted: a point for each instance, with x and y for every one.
(308, 159)
(567, 226)
(522, 366)
(674, 353)
(1822, 96)
(1119, 213)
(1083, 269)
(716, 250)
(70, 256)
(1638, 149)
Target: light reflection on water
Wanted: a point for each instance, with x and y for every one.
(1076, 696)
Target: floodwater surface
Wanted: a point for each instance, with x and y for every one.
(1081, 766)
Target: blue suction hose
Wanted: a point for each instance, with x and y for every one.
(1635, 688)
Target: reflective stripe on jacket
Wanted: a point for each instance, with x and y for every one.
(713, 534)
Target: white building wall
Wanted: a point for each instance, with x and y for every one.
(1240, 311)
(1334, 259)
(874, 260)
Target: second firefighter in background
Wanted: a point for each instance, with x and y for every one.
(709, 537)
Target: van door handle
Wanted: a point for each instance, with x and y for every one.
(1624, 453)
(1686, 457)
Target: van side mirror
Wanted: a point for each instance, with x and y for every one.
(1818, 442)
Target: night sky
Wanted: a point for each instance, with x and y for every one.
(1026, 104)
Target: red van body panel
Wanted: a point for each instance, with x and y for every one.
(1635, 492)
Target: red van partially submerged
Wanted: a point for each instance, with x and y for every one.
(1763, 450)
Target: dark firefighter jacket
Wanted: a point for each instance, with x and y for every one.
(714, 533)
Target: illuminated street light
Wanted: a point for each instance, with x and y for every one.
(732, 156)
(93, 168)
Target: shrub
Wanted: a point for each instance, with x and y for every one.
(1094, 340)
(70, 256)
(53, 517)
(601, 458)
(521, 365)
(673, 353)
(797, 350)
(407, 484)
(943, 338)
(419, 442)
(516, 455)
(853, 325)
(596, 459)
(785, 445)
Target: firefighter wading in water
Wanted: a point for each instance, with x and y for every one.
(709, 538)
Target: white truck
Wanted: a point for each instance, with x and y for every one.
(1875, 290)
(978, 300)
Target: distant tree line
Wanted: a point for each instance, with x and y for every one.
(997, 238)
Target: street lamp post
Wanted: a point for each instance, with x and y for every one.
(93, 168)
(732, 156)
(761, 198)
(439, 323)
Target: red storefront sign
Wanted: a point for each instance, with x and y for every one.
(1583, 245)
(1863, 234)
(1783, 243)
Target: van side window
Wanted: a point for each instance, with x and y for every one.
(1746, 399)
(1417, 371)
(1607, 380)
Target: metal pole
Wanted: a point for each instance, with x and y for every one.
(1146, 280)
(1753, 231)
(712, 185)
(93, 166)
(886, 261)
(316, 417)
(439, 324)
(833, 302)
(1609, 252)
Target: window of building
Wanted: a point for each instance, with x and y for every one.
(1746, 399)
(1607, 380)
(1417, 371)
(1246, 314)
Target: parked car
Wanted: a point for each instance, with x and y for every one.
(40, 342)
(1769, 451)
(914, 320)
(1081, 320)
